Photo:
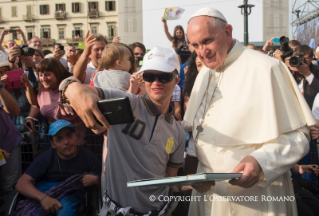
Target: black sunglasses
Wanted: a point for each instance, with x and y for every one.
(162, 77)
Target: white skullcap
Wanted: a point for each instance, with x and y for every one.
(209, 12)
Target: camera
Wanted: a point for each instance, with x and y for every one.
(183, 52)
(295, 61)
(284, 47)
(25, 50)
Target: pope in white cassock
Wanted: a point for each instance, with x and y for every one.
(247, 115)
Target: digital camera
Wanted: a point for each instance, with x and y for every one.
(295, 61)
(26, 51)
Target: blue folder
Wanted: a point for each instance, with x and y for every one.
(184, 180)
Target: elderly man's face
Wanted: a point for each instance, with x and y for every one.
(210, 42)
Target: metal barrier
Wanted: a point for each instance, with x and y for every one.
(34, 143)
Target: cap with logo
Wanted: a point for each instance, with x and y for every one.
(56, 126)
(209, 12)
(3, 59)
(161, 59)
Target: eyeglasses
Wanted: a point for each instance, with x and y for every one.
(162, 77)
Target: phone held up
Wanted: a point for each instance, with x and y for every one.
(14, 79)
(116, 110)
(276, 40)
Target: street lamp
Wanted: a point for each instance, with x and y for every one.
(246, 10)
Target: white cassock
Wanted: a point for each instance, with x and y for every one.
(256, 110)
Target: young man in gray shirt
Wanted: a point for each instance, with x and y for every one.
(151, 147)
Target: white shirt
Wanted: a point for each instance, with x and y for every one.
(90, 70)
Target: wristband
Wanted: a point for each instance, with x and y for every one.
(62, 89)
(29, 117)
(43, 198)
(12, 62)
(1, 85)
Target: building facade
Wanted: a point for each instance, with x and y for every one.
(67, 22)
(275, 19)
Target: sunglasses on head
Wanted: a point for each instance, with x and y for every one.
(162, 77)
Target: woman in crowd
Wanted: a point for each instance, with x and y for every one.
(24, 95)
(178, 37)
(51, 72)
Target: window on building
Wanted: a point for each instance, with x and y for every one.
(93, 6)
(129, 5)
(61, 33)
(45, 32)
(13, 11)
(59, 7)
(110, 5)
(77, 32)
(44, 9)
(29, 9)
(0, 13)
(76, 7)
(130, 25)
(30, 33)
(1, 30)
(111, 30)
(94, 29)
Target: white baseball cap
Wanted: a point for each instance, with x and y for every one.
(161, 59)
(209, 12)
(3, 59)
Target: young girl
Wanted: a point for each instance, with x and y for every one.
(178, 37)
(115, 69)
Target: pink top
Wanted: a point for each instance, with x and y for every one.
(48, 102)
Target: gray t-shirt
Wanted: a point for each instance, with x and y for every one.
(141, 150)
(114, 79)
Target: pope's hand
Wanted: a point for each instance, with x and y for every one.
(203, 187)
(251, 172)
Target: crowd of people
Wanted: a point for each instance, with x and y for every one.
(226, 108)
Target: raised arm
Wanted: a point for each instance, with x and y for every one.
(4, 33)
(81, 64)
(86, 108)
(168, 35)
(10, 105)
(19, 31)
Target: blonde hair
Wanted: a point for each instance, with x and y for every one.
(113, 52)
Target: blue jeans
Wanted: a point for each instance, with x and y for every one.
(69, 202)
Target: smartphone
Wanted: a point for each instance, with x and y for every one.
(276, 40)
(12, 31)
(14, 79)
(139, 62)
(116, 110)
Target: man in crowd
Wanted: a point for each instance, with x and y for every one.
(55, 165)
(247, 116)
(151, 147)
(58, 54)
(306, 74)
(93, 48)
(36, 42)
